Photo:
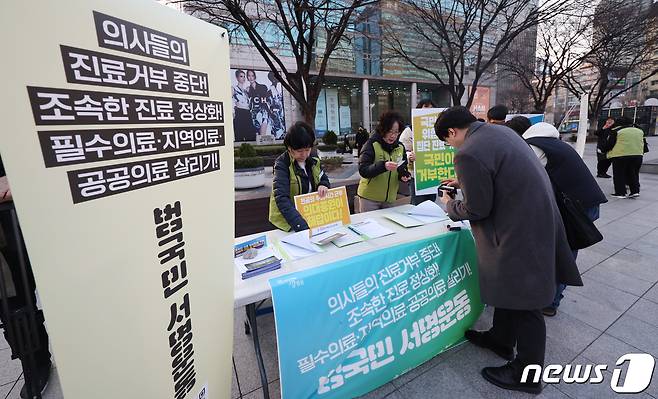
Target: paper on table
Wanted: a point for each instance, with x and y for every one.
(428, 208)
(328, 236)
(294, 252)
(301, 240)
(349, 238)
(429, 219)
(403, 220)
(371, 229)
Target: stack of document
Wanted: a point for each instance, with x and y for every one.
(265, 261)
(299, 245)
(340, 237)
(421, 214)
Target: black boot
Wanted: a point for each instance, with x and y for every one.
(509, 377)
(484, 340)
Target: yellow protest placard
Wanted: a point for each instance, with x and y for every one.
(325, 213)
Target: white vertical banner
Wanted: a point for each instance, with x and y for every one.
(582, 125)
(117, 146)
(345, 118)
(332, 110)
(321, 113)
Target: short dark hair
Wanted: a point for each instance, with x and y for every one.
(458, 117)
(386, 122)
(623, 121)
(425, 102)
(300, 135)
(497, 113)
(238, 72)
(519, 124)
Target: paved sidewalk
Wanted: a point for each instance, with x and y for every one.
(615, 313)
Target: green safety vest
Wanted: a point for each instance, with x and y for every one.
(276, 217)
(383, 187)
(630, 141)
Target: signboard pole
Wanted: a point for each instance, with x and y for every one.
(582, 125)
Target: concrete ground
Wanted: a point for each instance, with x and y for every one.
(615, 313)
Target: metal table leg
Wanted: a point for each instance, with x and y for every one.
(251, 317)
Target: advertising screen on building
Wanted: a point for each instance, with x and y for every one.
(257, 105)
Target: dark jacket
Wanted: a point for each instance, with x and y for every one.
(565, 167)
(281, 188)
(602, 138)
(360, 139)
(521, 244)
(368, 168)
(611, 139)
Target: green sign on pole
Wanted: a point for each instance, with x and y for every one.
(434, 158)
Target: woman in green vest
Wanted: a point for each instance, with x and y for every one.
(295, 172)
(382, 164)
(625, 148)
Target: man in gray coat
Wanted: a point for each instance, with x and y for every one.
(519, 235)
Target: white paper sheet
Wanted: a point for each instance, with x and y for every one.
(301, 240)
(293, 252)
(429, 219)
(371, 229)
(403, 220)
(427, 208)
(349, 238)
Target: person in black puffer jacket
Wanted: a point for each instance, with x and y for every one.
(569, 174)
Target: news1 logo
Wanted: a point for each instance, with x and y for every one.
(638, 373)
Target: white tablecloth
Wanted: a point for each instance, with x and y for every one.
(257, 288)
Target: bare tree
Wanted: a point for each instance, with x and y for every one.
(459, 41)
(625, 40)
(518, 100)
(563, 45)
(296, 38)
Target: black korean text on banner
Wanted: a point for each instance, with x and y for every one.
(102, 69)
(118, 34)
(94, 183)
(53, 106)
(69, 147)
(169, 231)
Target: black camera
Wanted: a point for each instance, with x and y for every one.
(452, 191)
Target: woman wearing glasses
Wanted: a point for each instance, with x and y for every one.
(382, 164)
